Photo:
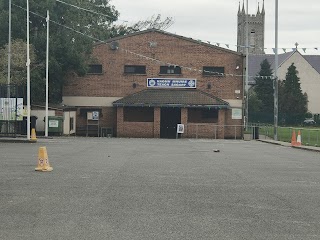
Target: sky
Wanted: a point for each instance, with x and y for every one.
(216, 20)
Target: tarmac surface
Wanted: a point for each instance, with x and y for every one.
(136, 189)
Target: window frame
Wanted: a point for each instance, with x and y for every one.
(213, 71)
(92, 69)
(137, 69)
(71, 124)
(170, 70)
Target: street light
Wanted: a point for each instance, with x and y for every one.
(276, 75)
(9, 52)
(247, 68)
(28, 75)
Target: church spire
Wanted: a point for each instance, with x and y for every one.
(243, 11)
(258, 12)
(239, 8)
(262, 12)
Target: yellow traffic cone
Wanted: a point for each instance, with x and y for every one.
(33, 135)
(43, 161)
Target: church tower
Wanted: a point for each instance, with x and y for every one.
(255, 31)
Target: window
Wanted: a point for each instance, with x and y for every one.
(71, 124)
(202, 115)
(135, 69)
(138, 114)
(209, 114)
(95, 69)
(252, 38)
(213, 71)
(170, 70)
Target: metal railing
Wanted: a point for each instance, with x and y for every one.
(309, 136)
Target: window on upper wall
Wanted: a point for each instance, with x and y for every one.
(170, 70)
(213, 71)
(95, 69)
(252, 38)
(135, 69)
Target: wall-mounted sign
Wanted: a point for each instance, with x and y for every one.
(236, 113)
(11, 109)
(171, 83)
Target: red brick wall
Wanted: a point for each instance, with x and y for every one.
(169, 49)
(120, 123)
(138, 129)
(114, 83)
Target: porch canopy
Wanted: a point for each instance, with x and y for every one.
(171, 98)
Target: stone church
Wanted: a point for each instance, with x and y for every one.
(255, 30)
(308, 66)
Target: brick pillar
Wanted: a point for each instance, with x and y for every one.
(120, 122)
(184, 120)
(156, 122)
(221, 123)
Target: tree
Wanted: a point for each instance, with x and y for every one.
(262, 100)
(73, 32)
(292, 102)
(18, 68)
(69, 50)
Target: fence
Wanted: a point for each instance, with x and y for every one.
(11, 110)
(309, 136)
(203, 130)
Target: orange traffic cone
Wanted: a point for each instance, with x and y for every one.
(299, 139)
(33, 135)
(43, 161)
(293, 138)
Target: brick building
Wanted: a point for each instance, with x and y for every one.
(144, 84)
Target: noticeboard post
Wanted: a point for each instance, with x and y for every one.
(180, 129)
(95, 115)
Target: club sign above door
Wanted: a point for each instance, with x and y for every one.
(171, 83)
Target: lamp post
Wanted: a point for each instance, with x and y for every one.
(247, 68)
(276, 75)
(28, 75)
(9, 52)
(47, 76)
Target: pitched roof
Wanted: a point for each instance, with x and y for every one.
(314, 61)
(172, 98)
(256, 60)
(169, 34)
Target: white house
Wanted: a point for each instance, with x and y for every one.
(308, 67)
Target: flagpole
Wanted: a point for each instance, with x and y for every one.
(47, 77)
(247, 68)
(28, 75)
(276, 75)
(9, 52)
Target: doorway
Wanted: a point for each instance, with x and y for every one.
(170, 117)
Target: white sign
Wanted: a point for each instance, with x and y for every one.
(171, 83)
(53, 123)
(95, 115)
(8, 107)
(236, 113)
(180, 128)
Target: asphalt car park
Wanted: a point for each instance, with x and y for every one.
(113, 188)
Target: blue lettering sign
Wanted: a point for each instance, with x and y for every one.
(171, 83)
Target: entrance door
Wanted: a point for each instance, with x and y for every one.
(170, 117)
